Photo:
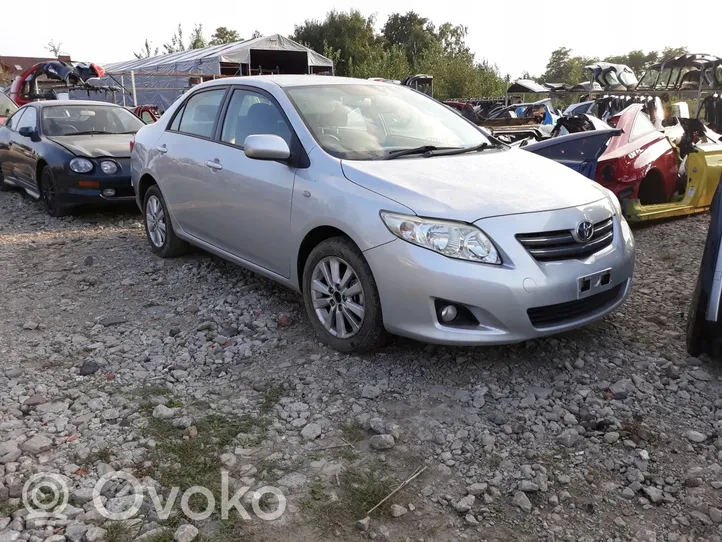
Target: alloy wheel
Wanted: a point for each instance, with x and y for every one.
(338, 297)
(155, 221)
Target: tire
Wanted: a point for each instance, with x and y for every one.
(4, 187)
(356, 333)
(160, 234)
(49, 194)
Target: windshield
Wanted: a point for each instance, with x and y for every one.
(67, 120)
(7, 107)
(368, 122)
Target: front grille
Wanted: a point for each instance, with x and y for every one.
(561, 313)
(561, 245)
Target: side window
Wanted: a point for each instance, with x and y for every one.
(29, 119)
(147, 117)
(201, 110)
(642, 125)
(177, 119)
(12, 122)
(250, 113)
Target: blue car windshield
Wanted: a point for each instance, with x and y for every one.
(68, 120)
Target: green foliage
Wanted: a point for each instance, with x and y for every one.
(565, 68)
(147, 51)
(638, 60)
(223, 35)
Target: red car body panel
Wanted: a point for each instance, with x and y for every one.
(628, 160)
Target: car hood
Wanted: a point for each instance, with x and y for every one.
(96, 145)
(469, 187)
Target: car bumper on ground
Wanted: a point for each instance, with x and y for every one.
(519, 300)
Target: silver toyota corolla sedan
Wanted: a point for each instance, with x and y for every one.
(388, 211)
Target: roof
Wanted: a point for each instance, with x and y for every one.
(15, 65)
(234, 53)
(296, 80)
(53, 103)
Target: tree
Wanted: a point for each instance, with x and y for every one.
(565, 68)
(668, 52)
(223, 35)
(453, 39)
(176, 42)
(147, 50)
(54, 48)
(256, 34)
(413, 33)
(197, 41)
(349, 34)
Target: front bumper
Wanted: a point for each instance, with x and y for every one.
(410, 279)
(70, 189)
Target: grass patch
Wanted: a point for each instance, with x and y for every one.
(165, 536)
(104, 454)
(270, 398)
(191, 462)
(360, 490)
(353, 432)
(173, 403)
(7, 509)
(152, 391)
(118, 531)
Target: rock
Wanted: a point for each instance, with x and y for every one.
(284, 321)
(527, 486)
(162, 412)
(522, 501)
(715, 514)
(397, 510)
(471, 520)
(76, 531)
(611, 437)
(311, 431)
(35, 400)
(382, 442)
(14, 373)
(695, 436)
(701, 374)
(109, 321)
(477, 489)
(95, 534)
(30, 325)
(568, 437)
(36, 445)
(9, 452)
(620, 389)
(464, 504)
(370, 392)
(563, 479)
(185, 533)
(645, 535)
(88, 261)
(654, 494)
(293, 480)
(363, 524)
(88, 368)
(229, 460)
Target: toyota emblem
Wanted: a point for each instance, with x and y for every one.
(585, 230)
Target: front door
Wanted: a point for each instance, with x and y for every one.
(22, 153)
(253, 196)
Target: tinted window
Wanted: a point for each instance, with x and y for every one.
(147, 117)
(200, 113)
(12, 121)
(250, 113)
(642, 125)
(61, 120)
(30, 119)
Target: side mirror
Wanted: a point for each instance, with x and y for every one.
(26, 131)
(266, 147)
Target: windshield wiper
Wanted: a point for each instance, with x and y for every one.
(426, 150)
(90, 132)
(475, 148)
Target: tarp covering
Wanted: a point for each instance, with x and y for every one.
(208, 60)
(184, 69)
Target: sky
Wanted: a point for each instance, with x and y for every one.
(516, 36)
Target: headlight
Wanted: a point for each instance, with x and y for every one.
(614, 200)
(108, 167)
(81, 165)
(452, 239)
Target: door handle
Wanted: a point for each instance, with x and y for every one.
(215, 165)
(162, 148)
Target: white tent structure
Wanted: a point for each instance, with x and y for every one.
(159, 80)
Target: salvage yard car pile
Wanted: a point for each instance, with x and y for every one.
(390, 214)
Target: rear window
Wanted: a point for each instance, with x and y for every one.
(7, 106)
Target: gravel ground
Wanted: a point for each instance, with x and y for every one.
(173, 370)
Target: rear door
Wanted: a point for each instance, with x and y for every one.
(183, 150)
(251, 198)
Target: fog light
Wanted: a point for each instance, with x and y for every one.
(109, 192)
(448, 313)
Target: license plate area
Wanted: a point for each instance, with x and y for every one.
(594, 283)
